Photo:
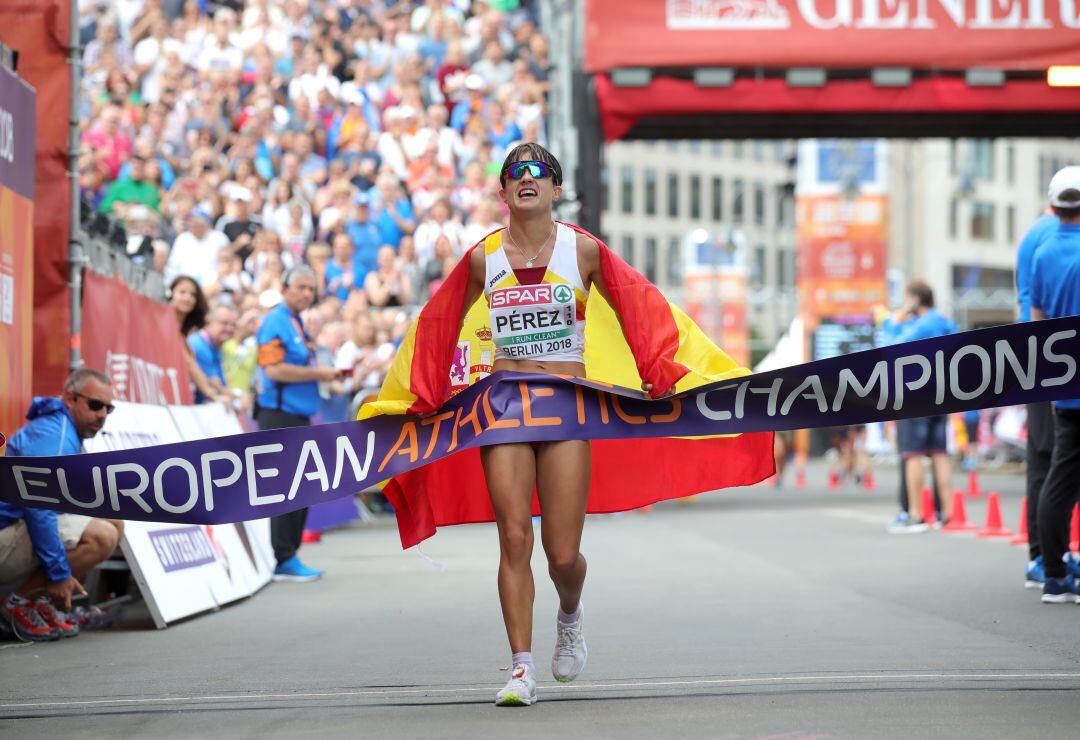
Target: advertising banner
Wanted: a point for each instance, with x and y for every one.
(716, 301)
(135, 340)
(40, 32)
(922, 34)
(187, 569)
(16, 248)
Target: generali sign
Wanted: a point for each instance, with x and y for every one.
(923, 34)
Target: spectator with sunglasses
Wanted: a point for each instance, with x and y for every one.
(42, 553)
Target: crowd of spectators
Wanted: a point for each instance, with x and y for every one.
(361, 137)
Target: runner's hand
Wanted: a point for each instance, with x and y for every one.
(61, 591)
(647, 387)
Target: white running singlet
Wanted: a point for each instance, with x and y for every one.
(545, 321)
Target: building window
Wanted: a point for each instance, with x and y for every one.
(780, 151)
(982, 220)
(1010, 224)
(716, 146)
(627, 181)
(757, 267)
(737, 187)
(759, 204)
(650, 192)
(718, 199)
(758, 148)
(695, 146)
(983, 159)
(954, 218)
(782, 277)
(605, 188)
(628, 248)
(650, 259)
(738, 146)
(783, 202)
(695, 197)
(674, 261)
(1010, 164)
(954, 156)
(673, 194)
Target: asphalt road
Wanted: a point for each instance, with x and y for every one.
(749, 614)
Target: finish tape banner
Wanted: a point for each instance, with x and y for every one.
(260, 474)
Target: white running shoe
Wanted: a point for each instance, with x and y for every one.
(520, 690)
(570, 651)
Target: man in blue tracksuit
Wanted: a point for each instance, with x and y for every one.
(1040, 415)
(1055, 292)
(928, 436)
(42, 552)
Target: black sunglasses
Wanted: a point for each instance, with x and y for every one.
(96, 405)
(536, 170)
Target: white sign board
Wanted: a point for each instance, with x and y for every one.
(186, 569)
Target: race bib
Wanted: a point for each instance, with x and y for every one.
(534, 320)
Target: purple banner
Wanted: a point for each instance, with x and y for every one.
(16, 134)
(250, 476)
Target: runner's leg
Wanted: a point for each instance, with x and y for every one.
(510, 471)
(562, 476)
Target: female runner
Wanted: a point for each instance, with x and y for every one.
(536, 250)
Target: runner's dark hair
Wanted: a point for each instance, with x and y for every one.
(533, 151)
(923, 292)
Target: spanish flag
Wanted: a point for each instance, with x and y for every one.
(656, 342)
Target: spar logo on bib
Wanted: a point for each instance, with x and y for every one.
(563, 294)
(521, 295)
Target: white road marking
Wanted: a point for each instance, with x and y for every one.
(763, 680)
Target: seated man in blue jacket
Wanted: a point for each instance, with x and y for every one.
(46, 553)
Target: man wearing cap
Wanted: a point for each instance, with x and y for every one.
(195, 251)
(1040, 415)
(288, 397)
(237, 223)
(1055, 292)
(476, 87)
(365, 235)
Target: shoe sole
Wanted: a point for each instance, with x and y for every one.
(919, 529)
(1060, 599)
(282, 578)
(513, 700)
(1033, 584)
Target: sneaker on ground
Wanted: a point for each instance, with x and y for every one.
(293, 570)
(1034, 575)
(26, 623)
(570, 652)
(520, 690)
(57, 621)
(1072, 565)
(903, 524)
(1061, 591)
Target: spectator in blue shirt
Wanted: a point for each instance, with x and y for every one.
(42, 553)
(206, 345)
(289, 397)
(366, 238)
(919, 438)
(1055, 292)
(340, 275)
(392, 211)
(1040, 416)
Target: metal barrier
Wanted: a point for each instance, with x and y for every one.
(107, 259)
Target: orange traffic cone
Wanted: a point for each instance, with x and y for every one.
(834, 479)
(928, 513)
(973, 485)
(868, 480)
(958, 522)
(1074, 541)
(1021, 537)
(800, 478)
(994, 527)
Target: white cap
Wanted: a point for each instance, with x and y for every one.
(475, 82)
(270, 298)
(1064, 181)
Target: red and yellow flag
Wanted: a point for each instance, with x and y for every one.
(656, 342)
